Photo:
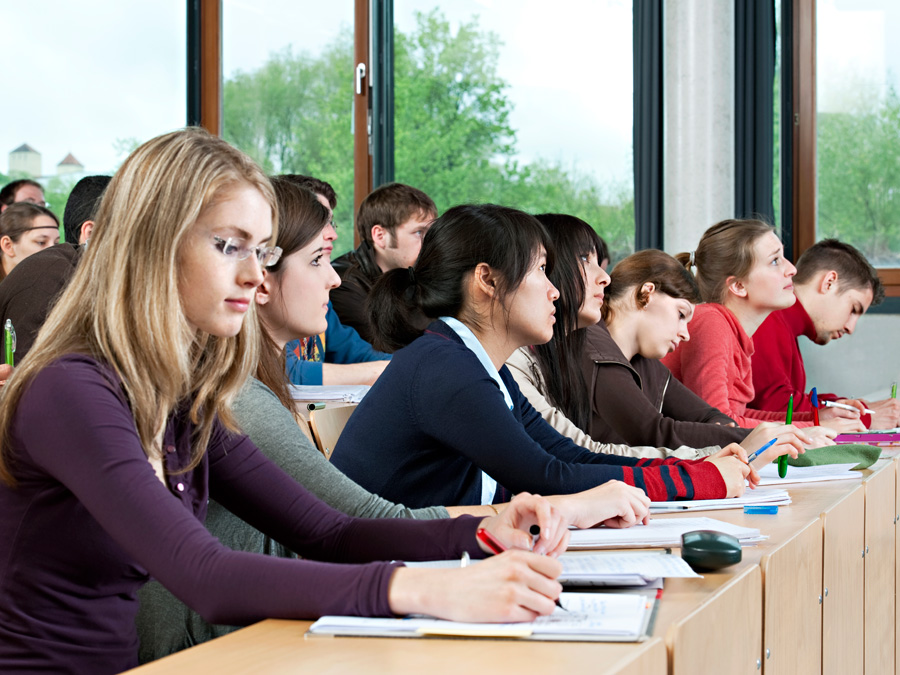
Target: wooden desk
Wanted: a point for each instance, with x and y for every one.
(282, 647)
(807, 600)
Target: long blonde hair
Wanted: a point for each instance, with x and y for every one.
(123, 307)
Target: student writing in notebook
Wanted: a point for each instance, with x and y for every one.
(140, 360)
(648, 306)
(290, 302)
(446, 422)
(743, 277)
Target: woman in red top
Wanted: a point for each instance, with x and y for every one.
(743, 276)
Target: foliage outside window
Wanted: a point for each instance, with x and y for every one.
(455, 134)
(858, 127)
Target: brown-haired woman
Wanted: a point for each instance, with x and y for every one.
(25, 229)
(743, 276)
(635, 399)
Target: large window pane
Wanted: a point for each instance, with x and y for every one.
(858, 125)
(86, 82)
(521, 103)
(288, 91)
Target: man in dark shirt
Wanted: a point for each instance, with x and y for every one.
(391, 223)
(28, 293)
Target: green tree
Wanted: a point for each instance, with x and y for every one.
(453, 137)
(859, 177)
(294, 115)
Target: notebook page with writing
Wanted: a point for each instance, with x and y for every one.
(614, 617)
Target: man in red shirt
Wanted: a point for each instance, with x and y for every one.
(834, 285)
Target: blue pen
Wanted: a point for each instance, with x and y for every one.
(761, 450)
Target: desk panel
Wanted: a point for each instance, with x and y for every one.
(792, 614)
(723, 634)
(880, 551)
(844, 582)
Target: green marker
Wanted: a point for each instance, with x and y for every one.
(10, 334)
(782, 461)
(894, 390)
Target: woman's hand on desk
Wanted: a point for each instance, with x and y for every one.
(512, 586)
(787, 435)
(841, 425)
(820, 436)
(887, 412)
(613, 504)
(731, 461)
(511, 527)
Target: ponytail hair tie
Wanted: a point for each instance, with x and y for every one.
(691, 260)
(692, 264)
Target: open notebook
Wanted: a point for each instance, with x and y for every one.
(661, 533)
(587, 617)
(759, 496)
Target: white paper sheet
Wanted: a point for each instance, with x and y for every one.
(808, 474)
(661, 532)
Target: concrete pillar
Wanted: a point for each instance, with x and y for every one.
(699, 118)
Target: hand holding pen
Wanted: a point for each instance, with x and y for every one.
(511, 526)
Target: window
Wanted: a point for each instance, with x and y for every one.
(288, 92)
(86, 83)
(858, 126)
(508, 102)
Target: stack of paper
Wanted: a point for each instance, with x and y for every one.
(621, 569)
(603, 617)
(346, 393)
(660, 533)
(769, 496)
(808, 474)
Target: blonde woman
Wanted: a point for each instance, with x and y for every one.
(139, 362)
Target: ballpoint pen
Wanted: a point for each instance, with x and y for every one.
(844, 406)
(814, 399)
(10, 341)
(762, 450)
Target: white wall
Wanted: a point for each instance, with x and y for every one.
(863, 364)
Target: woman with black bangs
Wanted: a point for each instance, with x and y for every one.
(551, 375)
(446, 423)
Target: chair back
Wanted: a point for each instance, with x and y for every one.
(327, 425)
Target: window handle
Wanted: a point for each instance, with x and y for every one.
(360, 74)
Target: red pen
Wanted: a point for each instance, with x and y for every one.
(496, 547)
(493, 544)
(814, 399)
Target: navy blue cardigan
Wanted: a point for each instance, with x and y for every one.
(435, 419)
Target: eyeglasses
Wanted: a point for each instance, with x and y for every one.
(230, 248)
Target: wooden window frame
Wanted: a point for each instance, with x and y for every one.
(804, 138)
(205, 83)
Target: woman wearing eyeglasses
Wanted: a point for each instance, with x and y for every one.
(139, 361)
(25, 229)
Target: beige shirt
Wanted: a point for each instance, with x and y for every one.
(526, 372)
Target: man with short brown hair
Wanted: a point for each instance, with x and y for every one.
(391, 222)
